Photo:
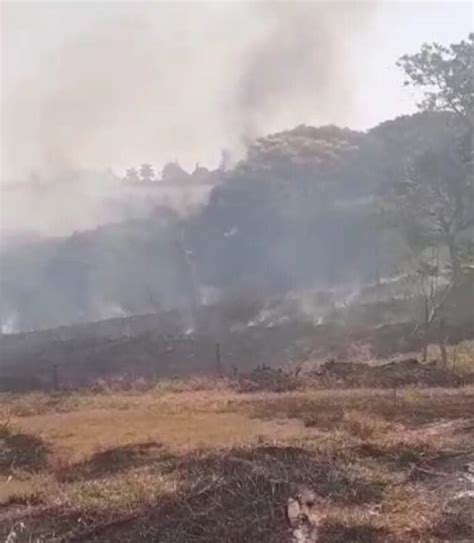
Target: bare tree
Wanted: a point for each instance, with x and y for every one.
(435, 289)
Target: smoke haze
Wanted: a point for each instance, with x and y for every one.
(127, 83)
(90, 89)
(97, 85)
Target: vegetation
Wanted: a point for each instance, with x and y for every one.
(351, 446)
(216, 465)
(307, 206)
(446, 75)
(435, 205)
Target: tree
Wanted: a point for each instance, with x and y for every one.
(435, 293)
(435, 203)
(131, 176)
(446, 73)
(147, 173)
(440, 194)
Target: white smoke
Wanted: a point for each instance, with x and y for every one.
(97, 85)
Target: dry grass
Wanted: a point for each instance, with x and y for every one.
(365, 426)
(204, 463)
(460, 356)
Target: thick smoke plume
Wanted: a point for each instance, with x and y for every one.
(89, 85)
(300, 68)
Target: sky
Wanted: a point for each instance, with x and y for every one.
(114, 84)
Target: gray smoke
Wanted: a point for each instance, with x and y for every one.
(300, 69)
(98, 85)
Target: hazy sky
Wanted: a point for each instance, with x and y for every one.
(89, 84)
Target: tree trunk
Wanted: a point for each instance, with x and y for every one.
(425, 332)
(442, 344)
(218, 360)
(454, 258)
(424, 352)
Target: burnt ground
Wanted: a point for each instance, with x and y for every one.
(77, 356)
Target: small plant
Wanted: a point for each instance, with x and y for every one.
(33, 497)
(310, 421)
(364, 425)
(5, 428)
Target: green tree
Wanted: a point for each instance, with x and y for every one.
(435, 202)
(446, 75)
(438, 200)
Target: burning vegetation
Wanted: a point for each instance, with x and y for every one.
(275, 349)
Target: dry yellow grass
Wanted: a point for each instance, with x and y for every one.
(78, 434)
(204, 463)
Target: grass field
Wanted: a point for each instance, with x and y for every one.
(207, 464)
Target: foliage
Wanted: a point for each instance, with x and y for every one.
(302, 208)
(436, 202)
(446, 73)
(311, 205)
(131, 176)
(284, 214)
(147, 173)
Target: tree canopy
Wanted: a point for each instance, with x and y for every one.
(446, 75)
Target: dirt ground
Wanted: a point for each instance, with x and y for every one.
(205, 463)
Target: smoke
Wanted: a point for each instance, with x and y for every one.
(98, 85)
(300, 68)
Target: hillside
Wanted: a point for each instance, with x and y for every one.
(300, 211)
